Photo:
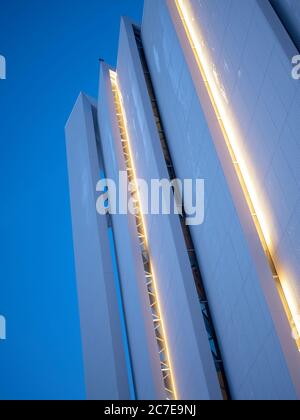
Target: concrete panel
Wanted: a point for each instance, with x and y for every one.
(192, 362)
(143, 347)
(104, 357)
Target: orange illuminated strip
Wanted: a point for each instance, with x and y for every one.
(286, 295)
(158, 323)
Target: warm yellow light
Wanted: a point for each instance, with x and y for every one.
(294, 308)
(216, 95)
(165, 367)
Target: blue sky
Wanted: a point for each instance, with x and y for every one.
(52, 49)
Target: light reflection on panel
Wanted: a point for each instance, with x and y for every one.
(154, 303)
(210, 78)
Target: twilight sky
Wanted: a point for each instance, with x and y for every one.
(52, 49)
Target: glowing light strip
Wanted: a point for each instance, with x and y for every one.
(158, 323)
(240, 166)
